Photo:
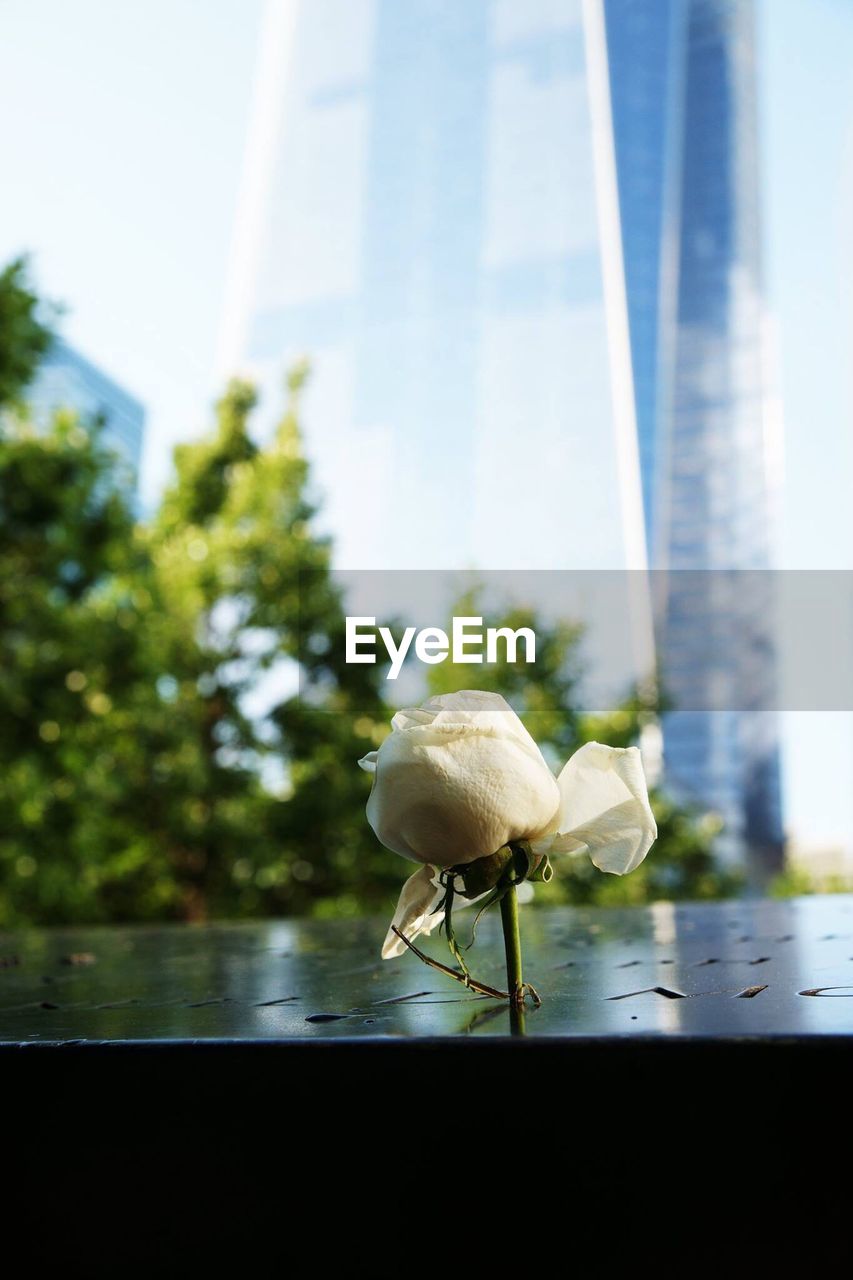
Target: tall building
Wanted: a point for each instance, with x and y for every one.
(682, 76)
(519, 243)
(66, 379)
(413, 219)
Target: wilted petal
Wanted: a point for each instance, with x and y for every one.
(604, 808)
(415, 910)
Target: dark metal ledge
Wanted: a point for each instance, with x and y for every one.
(741, 971)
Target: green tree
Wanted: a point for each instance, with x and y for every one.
(275, 782)
(156, 756)
(69, 660)
(25, 331)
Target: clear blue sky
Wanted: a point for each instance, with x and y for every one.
(806, 106)
(121, 135)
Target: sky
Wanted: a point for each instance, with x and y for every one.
(122, 129)
(806, 119)
(805, 51)
(121, 141)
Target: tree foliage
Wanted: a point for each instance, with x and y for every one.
(158, 759)
(25, 333)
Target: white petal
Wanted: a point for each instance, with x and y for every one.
(415, 910)
(466, 704)
(476, 709)
(368, 762)
(411, 716)
(604, 808)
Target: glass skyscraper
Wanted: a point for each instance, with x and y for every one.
(429, 195)
(66, 379)
(519, 243)
(682, 75)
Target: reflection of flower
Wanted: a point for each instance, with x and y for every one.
(460, 778)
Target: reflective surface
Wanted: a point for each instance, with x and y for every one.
(721, 970)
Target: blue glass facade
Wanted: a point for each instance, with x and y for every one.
(683, 94)
(645, 56)
(66, 379)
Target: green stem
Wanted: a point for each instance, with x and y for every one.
(517, 1020)
(512, 945)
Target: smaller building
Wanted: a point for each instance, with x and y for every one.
(67, 380)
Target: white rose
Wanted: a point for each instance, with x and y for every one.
(457, 779)
(460, 777)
